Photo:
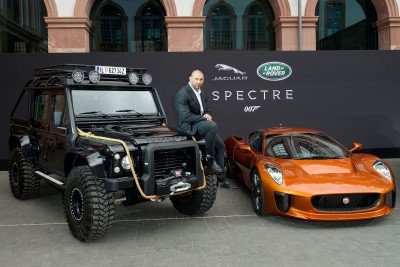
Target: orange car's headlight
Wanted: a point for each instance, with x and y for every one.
(275, 173)
(381, 167)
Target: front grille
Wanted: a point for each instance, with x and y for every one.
(345, 202)
(166, 160)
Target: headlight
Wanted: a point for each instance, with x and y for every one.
(275, 173)
(125, 163)
(381, 167)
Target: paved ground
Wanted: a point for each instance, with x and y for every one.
(34, 233)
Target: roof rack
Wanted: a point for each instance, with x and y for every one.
(107, 73)
(66, 69)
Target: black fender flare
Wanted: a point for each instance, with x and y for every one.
(93, 159)
(29, 149)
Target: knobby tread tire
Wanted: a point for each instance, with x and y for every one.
(98, 210)
(197, 201)
(24, 183)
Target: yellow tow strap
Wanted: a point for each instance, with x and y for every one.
(135, 178)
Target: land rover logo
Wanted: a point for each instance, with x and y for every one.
(274, 71)
(346, 200)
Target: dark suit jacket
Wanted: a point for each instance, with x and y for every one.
(188, 108)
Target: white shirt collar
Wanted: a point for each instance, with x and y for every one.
(197, 93)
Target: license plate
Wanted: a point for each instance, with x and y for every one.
(111, 70)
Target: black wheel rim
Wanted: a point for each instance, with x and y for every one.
(77, 204)
(15, 174)
(256, 191)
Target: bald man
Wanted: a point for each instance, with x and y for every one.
(195, 119)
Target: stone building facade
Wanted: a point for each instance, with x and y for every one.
(70, 27)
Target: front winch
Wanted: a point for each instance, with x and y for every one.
(176, 181)
(179, 187)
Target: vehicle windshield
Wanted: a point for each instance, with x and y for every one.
(304, 146)
(138, 103)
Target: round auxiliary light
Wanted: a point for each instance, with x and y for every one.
(78, 75)
(133, 78)
(94, 76)
(147, 78)
(117, 156)
(125, 163)
(117, 169)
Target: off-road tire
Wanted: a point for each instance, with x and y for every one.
(197, 201)
(88, 208)
(24, 183)
(257, 194)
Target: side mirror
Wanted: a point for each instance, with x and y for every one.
(355, 147)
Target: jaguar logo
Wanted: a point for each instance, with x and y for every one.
(346, 200)
(224, 67)
(238, 77)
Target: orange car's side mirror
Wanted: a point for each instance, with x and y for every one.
(355, 147)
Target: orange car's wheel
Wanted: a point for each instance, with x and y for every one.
(228, 168)
(257, 194)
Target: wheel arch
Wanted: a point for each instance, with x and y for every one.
(23, 142)
(13, 142)
(85, 158)
(263, 179)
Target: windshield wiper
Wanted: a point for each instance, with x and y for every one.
(130, 111)
(95, 112)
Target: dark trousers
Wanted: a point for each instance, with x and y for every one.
(214, 144)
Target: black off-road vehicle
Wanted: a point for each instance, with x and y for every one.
(99, 134)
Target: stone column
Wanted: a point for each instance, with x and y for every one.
(309, 33)
(389, 33)
(185, 33)
(68, 34)
(286, 34)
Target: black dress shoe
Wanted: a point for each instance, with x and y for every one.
(213, 164)
(215, 167)
(226, 185)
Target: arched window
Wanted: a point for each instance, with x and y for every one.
(220, 29)
(151, 34)
(258, 29)
(112, 34)
(346, 25)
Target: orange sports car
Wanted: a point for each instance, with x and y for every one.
(306, 174)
